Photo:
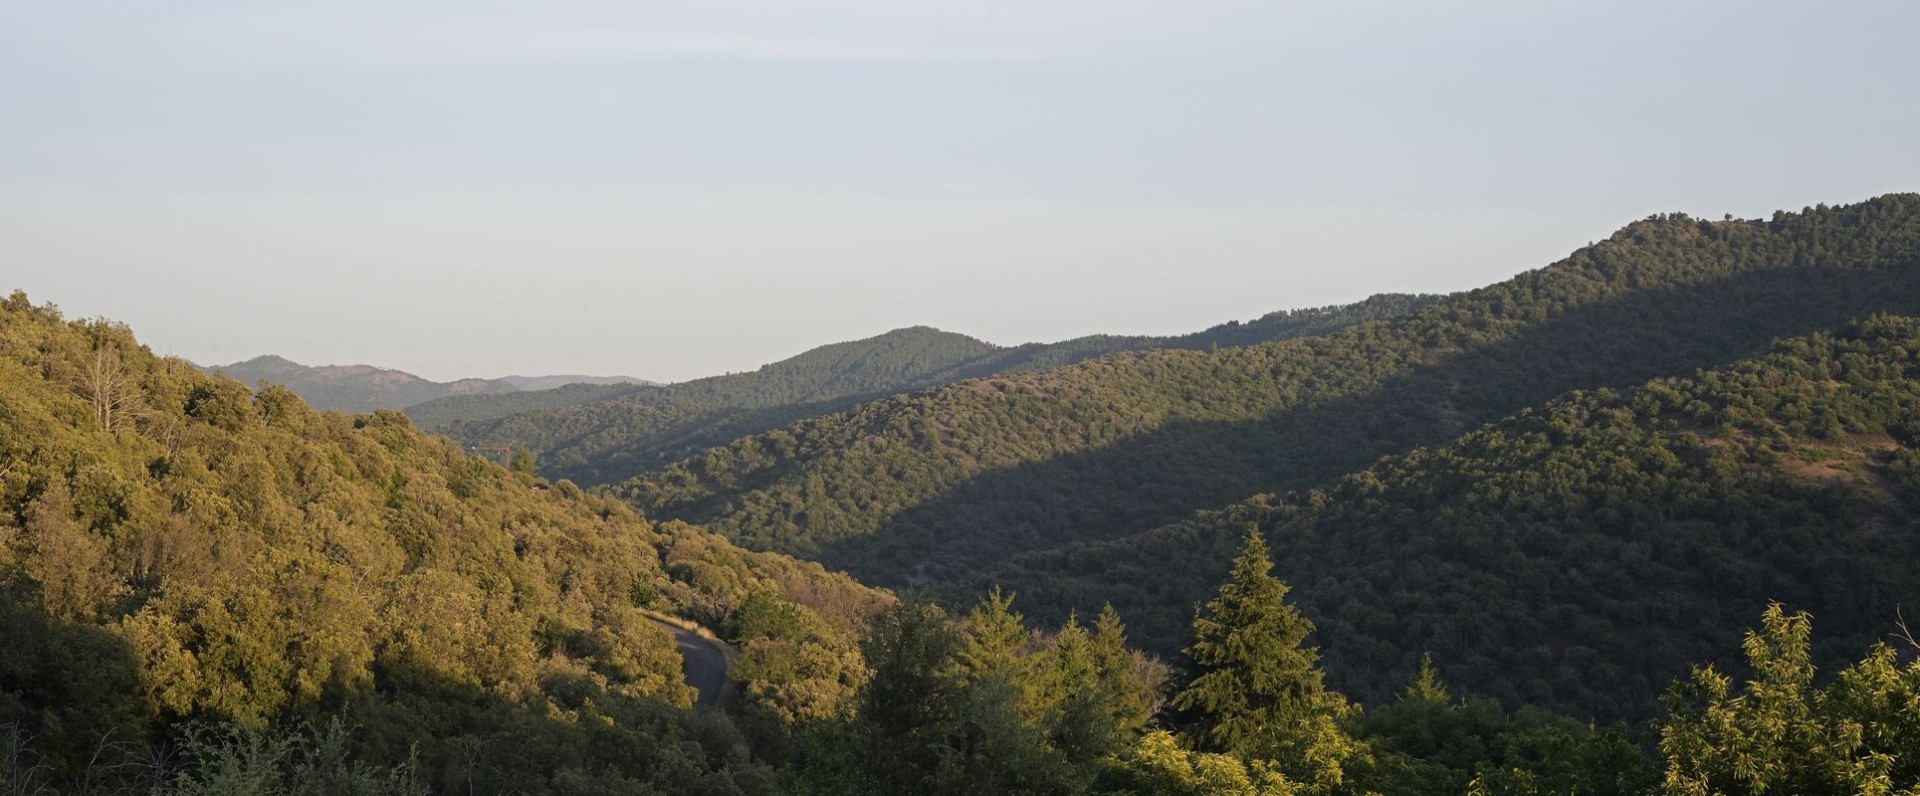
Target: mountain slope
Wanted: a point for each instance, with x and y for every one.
(365, 388)
(1581, 554)
(174, 546)
(930, 488)
(599, 435)
(556, 382)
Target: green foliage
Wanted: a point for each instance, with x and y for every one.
(352, 388)
(1579, 555)
(213, 554)
(1156, 765)
(601, 435)
(218, 761)
(188, 564)
(981, 706)
(1255, 689)
(1427, 743)
(523, 462)
(993, 639)
(1781, 734)
(1426, 687)
(1047, 481)
(1130, 682)
(797, 665)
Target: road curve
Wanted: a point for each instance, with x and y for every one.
(702, 660)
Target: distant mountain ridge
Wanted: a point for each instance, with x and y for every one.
(556, 382)
(600, 435)
(1057, 483)
(365, 388)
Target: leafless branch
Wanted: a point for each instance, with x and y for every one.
(109, 388)
(1906, 633)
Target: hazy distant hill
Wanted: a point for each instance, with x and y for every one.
(903, 356)
(597, 435)
(364, 388)
(556, 382)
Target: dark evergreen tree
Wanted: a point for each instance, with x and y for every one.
(1132, 682)
(1255, 687)
(1252, 675)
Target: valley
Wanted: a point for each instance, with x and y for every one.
(1516, 515)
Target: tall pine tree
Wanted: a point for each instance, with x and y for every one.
(1256, 689)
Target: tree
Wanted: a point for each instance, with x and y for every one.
(1782, 735)
(1156, 764)
(523, 461)
(991, 640)
(1426, 686)
(109, 388)
(1132, 682)
(907, 706)
(1256, 690)
(1080, 721)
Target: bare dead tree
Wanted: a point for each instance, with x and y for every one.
(109, 387)
(1905, 634)
(22, 771)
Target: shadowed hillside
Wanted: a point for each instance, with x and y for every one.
(934, 488)
(597, 435)
(1580, 554)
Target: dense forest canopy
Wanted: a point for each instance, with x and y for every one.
(175, 547)
(1580, 554)
(597, 435)
(1476, 534)
(933, 488)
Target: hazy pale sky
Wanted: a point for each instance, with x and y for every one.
(670, 190)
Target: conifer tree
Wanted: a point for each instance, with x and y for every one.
(1256, 689)
(1079, 718)
(1132, 684)
(1426, 686)
(993, 636)
(1250, 673)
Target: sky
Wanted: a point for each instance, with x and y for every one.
(670, 190)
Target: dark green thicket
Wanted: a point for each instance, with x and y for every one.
(1582, 554)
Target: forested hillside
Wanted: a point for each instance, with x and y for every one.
(597, 435)
(365, 388)
(548, 421)
(206, 589)
(176, 550)
(1581, 554)
(933, 488)
(352, 388)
